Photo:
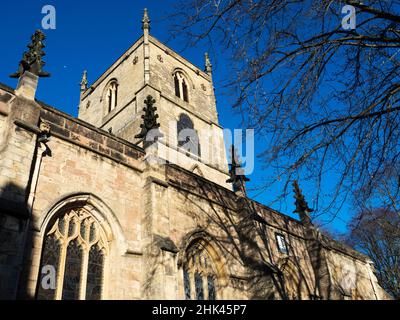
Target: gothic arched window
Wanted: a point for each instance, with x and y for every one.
(181, 86)
(199, 274)
(188, 138)
(75, 248)
(112, 95)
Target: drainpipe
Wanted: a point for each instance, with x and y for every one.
(41, 150)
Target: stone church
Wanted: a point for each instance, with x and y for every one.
(90, 208)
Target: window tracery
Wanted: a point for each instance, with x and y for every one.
(75, 246)
(181, 86)
(199, 275)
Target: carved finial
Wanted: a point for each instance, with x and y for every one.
(236, 172)
(149, 120)
(302, 207)
(208, 65)
(84, 81)
(32, 59)
(146, 20)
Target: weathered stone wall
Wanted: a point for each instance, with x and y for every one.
(163, 63)
(199, 205)
(353, 278)
(153, 213)
(128, 71)
(87, 162)
(125, 119)
(201, 108)
(11, 244)
(16, 155)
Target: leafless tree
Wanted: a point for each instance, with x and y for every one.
(377, 233)
(324, 100)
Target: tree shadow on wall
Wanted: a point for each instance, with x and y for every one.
(239, 228)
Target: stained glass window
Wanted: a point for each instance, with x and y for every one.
(71, 228)
(92, 233)
(199, 270)
(61, 226)
(72, 274)
(77, 241)
(211, 288)
(198, 282)
(95, 274)
(50, 257)
(186, 281)
(83, 230)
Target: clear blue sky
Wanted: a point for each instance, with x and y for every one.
(91, 35)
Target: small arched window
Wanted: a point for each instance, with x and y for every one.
(199, 274)
(188, 138)
(112, 95)
(75, 249)
(181, 86)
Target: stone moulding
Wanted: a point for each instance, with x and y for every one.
(95, 206)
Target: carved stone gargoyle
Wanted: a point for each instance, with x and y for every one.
(32, 59)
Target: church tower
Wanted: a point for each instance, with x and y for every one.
(184, 98)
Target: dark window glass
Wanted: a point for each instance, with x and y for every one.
(95, 274)
(92, 232)
(198, 281)
(200, 268)
(184, 122)
(83, 230)
(185, 91)
(51, 257)
(72, 227)
(188, 139)
(281, 243)
(72, 273)
(112, 96)
(61, 226)
(211, 288)
(186, 282)
(109, 100)
(181, 87)
(176, 81)
(116, 95)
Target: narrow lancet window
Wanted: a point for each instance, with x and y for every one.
(181, 86)
(112, 96)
